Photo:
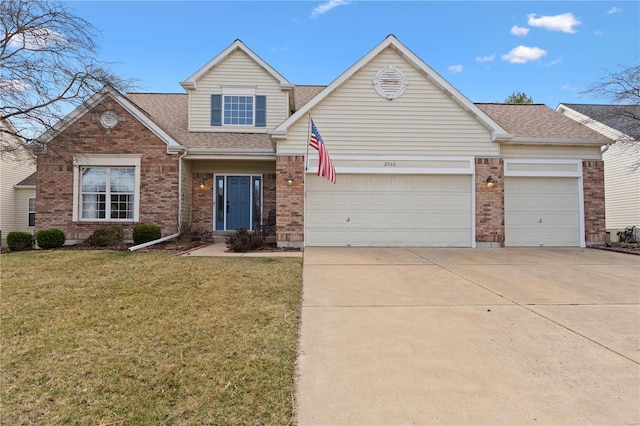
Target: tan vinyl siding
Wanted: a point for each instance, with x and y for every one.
(622, 186)
(551, 152)
(237, 70)
(13, 169)
(355, 120)
(230, 167)
(22, 196)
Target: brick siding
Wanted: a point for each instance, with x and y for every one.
(290, 201)
(594, 214)
(489, 201)
(158, 173)
(202, 199)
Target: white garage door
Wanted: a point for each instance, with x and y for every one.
(541, 211)
(389, 210)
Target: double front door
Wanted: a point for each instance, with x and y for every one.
(238, 202)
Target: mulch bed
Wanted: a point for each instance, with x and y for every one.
(621, 248)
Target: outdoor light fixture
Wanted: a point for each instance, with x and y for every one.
(490, 182)
(290, 179)
(202, 185)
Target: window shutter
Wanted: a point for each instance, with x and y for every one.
(216, 110)
(261, 111)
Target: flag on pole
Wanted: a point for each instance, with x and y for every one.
(325, 166)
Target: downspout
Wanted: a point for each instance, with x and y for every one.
(180, 190)
(606, 148)
(169, 237)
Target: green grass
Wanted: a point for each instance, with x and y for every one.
(97, 338)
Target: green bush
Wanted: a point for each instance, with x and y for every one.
(242, 241)
(50, 238)
(145, 233)
(18, 241)
(107, 236)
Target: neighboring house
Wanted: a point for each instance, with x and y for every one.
(621, 160)
(17, 187)
(417, 163)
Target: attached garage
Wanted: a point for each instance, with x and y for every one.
(390, 210)
(541, 208)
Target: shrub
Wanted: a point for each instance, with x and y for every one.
(107, 236)
(145, 233)
(18, 241)
(50, 238)
(243, 240)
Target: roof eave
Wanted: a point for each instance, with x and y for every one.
(524, 140)
(229, 154)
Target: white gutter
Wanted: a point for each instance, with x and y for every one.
(605, 149)
(150, 243)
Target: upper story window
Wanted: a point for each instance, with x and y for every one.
(238, 110)
(238, 107)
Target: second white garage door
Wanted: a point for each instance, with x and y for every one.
(541, 211)
(389, 210)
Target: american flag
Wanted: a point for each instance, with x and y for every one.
(325, 166)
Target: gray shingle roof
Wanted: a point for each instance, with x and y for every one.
(623, 118)
(28, 181)
(537, 121)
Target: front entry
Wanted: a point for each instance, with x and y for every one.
(238, 202)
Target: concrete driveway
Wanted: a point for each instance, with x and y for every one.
(523, 336)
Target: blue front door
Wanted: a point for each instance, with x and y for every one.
(238, 206)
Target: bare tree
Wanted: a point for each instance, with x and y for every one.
(48, 66)
(622, 87)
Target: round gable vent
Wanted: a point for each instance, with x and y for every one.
(389, 83)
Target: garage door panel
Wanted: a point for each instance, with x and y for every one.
(390, 210)
(541, 211)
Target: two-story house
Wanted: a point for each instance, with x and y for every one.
(417, 163)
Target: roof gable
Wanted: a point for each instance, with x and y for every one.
(131, 108)
(497, 132)
(621, 118)
(192, 81)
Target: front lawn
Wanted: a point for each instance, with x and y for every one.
(110, 338)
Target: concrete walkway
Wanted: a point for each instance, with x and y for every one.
(469, 336)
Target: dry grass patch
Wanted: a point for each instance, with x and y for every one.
(147, 338)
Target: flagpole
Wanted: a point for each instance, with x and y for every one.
(306, 158)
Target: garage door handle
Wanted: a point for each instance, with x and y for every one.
(348, 219)
(540, 221)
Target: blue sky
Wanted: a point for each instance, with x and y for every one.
(552, 50)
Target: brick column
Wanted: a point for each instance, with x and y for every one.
(489, 203)
(594, 214)
(290, 201)
(202, 202)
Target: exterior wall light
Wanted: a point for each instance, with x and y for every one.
(202, 185)
(290, 179)
(490, 182)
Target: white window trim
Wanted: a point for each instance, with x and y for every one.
(239, 91)
(105, 160)
(29, 211)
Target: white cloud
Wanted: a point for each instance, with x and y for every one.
(488, 58)
(280, 49)
(570, 88)
(524, 54)
(519, 31)
(556, 62)
(36, 38)
(613, 10)
(564, 22)
(325, 7)
(13, 85)
(599, 33)
(456, 68)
